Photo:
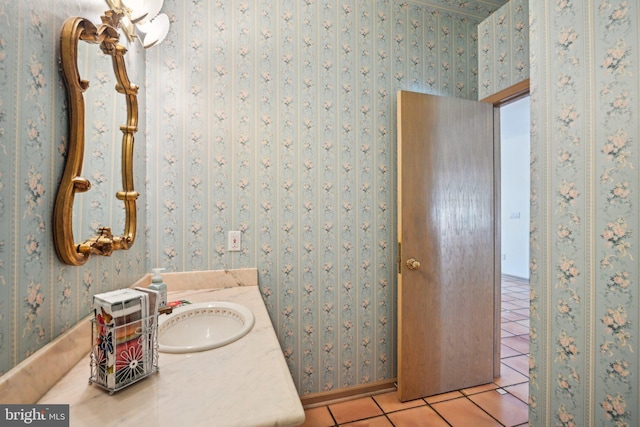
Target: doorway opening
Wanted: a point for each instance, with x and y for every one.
(515, 187)
(514, 244)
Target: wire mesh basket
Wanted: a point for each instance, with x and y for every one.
(124, 354)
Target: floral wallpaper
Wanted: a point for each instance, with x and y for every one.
(585, 208)
(277, 118)
(584, 205)
(40, 297)
(503, 48)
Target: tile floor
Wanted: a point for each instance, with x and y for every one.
(501, 403)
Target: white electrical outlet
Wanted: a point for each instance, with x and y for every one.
(234, 241)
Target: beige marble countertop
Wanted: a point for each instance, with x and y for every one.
(245, 383)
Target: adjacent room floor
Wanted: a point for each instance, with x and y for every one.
(501, 403)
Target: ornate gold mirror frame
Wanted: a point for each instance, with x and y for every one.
(104, 243)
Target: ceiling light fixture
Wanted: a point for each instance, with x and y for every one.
(142, 20)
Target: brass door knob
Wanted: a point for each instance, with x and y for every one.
(412, 264)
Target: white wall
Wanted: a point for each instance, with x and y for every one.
(514, 140)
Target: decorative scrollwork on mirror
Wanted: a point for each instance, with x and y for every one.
(106, 35)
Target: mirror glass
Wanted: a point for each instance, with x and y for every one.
(105, 112)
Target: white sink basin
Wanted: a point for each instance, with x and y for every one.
(203, 326)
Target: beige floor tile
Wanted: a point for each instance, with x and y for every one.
(525, 303)
(515, 328)
(511, 316)
(371, 422)
(479, 389)
(519, 363)
(505, 334)
(422, 416)
(519, 343)
(353, 410)
(506, 351)
(318, 417)
(509, 305)
(509, 376)
(389, 402)
(506, 408)
(521, 391)
(442, 397)
(523, 293)
(522, 311)
(464, 413)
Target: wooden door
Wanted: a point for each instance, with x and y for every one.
(448, 302)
